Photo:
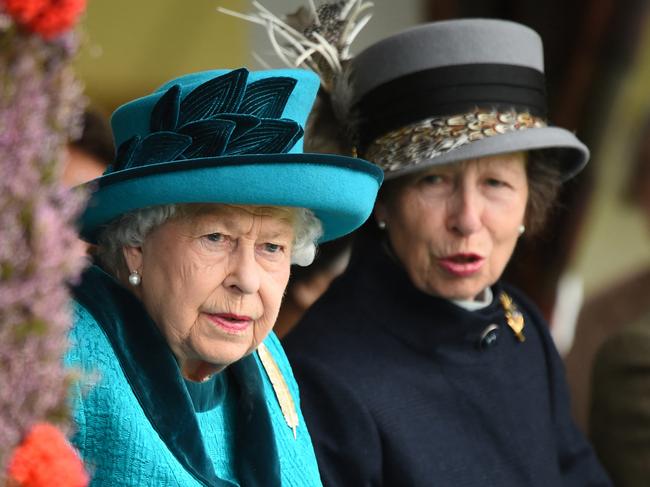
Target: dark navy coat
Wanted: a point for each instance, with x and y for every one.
(400, 388)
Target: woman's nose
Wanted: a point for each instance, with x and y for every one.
(243, 272)
(465, 210)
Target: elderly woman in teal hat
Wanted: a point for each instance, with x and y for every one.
(208, 203)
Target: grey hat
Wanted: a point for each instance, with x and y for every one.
(454, 90)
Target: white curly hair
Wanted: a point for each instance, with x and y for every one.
(131, 229)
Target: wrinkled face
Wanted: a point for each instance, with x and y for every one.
(213, 281)
(455, 227)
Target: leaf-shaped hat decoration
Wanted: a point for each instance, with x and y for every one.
(243, 123)
(209, 137)
(218, 95)
(124, 154)
(266, 98)
(164, 115)
(271, 136)
(224, 116)
(159, 147)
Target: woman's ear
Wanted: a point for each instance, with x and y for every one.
(380, 212)
(385, 201)
(133, 258)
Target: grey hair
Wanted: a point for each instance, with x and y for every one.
(131, 229)
(308, 229)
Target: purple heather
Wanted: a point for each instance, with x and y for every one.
(40, 108)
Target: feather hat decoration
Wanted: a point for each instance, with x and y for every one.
(319, 38)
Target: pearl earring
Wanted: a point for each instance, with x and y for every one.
(134, 278)
(522, 229)
(381, 224)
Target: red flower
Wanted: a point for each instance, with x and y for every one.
(45, 458)
(48, 18)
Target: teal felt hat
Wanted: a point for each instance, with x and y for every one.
(229, 136)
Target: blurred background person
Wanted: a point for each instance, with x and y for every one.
(621, 304)
(614, 335)
(88, 156)
(307, 284)
(619, 423)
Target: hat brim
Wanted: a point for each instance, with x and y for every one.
(340, 190)
(571, 153)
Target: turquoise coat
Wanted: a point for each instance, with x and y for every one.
(139, 423)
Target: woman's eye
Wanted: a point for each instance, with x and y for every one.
(273, 248)
(495, 183)
(432, 179)
(215, 237)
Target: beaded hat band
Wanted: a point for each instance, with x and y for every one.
(431, 137)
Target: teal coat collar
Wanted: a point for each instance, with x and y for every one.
(156, 381)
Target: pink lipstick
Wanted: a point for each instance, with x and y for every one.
(462, 264)
(230, 322)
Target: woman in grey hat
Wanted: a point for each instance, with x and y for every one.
(418, 366)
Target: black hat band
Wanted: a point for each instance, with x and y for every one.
(448, 90)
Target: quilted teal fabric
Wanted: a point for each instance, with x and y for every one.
(121, 448)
